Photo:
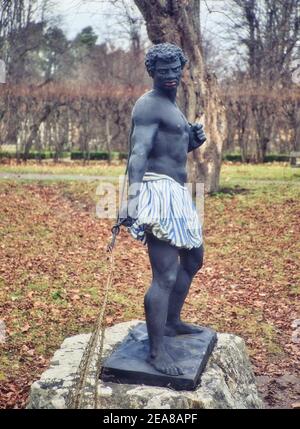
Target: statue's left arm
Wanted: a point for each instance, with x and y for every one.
(197, 136)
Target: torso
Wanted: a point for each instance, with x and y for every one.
(169, 153)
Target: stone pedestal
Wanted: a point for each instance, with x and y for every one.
(128, 363)
(227, 381)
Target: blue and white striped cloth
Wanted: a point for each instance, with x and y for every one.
(166, 209)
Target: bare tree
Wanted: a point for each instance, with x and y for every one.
(21, 32)
(269, 30)
(179, 22)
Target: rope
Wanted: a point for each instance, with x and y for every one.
(76, 397)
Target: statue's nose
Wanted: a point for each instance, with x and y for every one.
(171, 75)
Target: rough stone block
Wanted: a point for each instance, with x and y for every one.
(227, 381)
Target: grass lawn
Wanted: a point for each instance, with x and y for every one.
(93, 168)
(54, 266)
(231, 172)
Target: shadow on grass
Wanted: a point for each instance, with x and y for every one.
(230, 191)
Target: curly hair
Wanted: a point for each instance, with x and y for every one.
(165, 52)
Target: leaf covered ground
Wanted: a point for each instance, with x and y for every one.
(54, 268)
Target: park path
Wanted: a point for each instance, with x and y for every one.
(87, 178)
(58, 177)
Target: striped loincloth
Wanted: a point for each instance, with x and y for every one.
(166, 209)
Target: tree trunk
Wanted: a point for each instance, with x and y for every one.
(108, 138)
(297, 128)
(178, 21)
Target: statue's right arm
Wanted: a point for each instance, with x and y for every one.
(145, 127)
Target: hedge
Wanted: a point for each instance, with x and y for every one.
(78, 155)
(32, 155)
(268, 158)
(94, 155)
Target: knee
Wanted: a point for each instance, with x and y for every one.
(167, 280)
(199, 263)
(194, 264)
(195, 268)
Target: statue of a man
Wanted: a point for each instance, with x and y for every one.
(161, 212)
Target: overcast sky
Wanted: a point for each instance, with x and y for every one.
(77, 14)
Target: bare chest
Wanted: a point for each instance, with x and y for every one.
(172, 138)
(172, 120)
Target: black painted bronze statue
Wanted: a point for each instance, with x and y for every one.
(160, 210)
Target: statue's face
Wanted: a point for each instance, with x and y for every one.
(167, 74)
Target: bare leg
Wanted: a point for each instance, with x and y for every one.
(164, 263)
(190, 262)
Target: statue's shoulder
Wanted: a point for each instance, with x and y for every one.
(145, 105)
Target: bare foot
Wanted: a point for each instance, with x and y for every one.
(163, 362)
(181, 328)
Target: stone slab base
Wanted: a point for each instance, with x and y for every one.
(227, 381)
(128, 363)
